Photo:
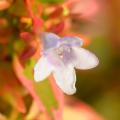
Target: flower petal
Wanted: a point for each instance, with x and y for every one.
(54, 59)
(65, 79)
(73, 41)
(42, 69)
(84, 59)
(50, 40)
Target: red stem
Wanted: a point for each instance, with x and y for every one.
(29, 8)
(36, 21)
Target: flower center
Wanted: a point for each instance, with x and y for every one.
(62, 50)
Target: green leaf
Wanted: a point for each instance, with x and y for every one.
(51, 1)
(43, 89)
(18, 8)
(46, 94)
(28, 71)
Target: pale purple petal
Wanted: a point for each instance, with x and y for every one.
(42, 69)
(66, 79)
(84, 59)
(54, 59)
(72, 41)
(50, 40)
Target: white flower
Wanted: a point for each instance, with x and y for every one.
(60, 56)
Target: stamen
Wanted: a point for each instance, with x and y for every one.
(62, 49)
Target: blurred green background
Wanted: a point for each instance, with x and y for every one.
(100, 87)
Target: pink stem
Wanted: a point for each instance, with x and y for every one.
(26, 83)
(59, 97)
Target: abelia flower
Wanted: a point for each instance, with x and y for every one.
(60, 56)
